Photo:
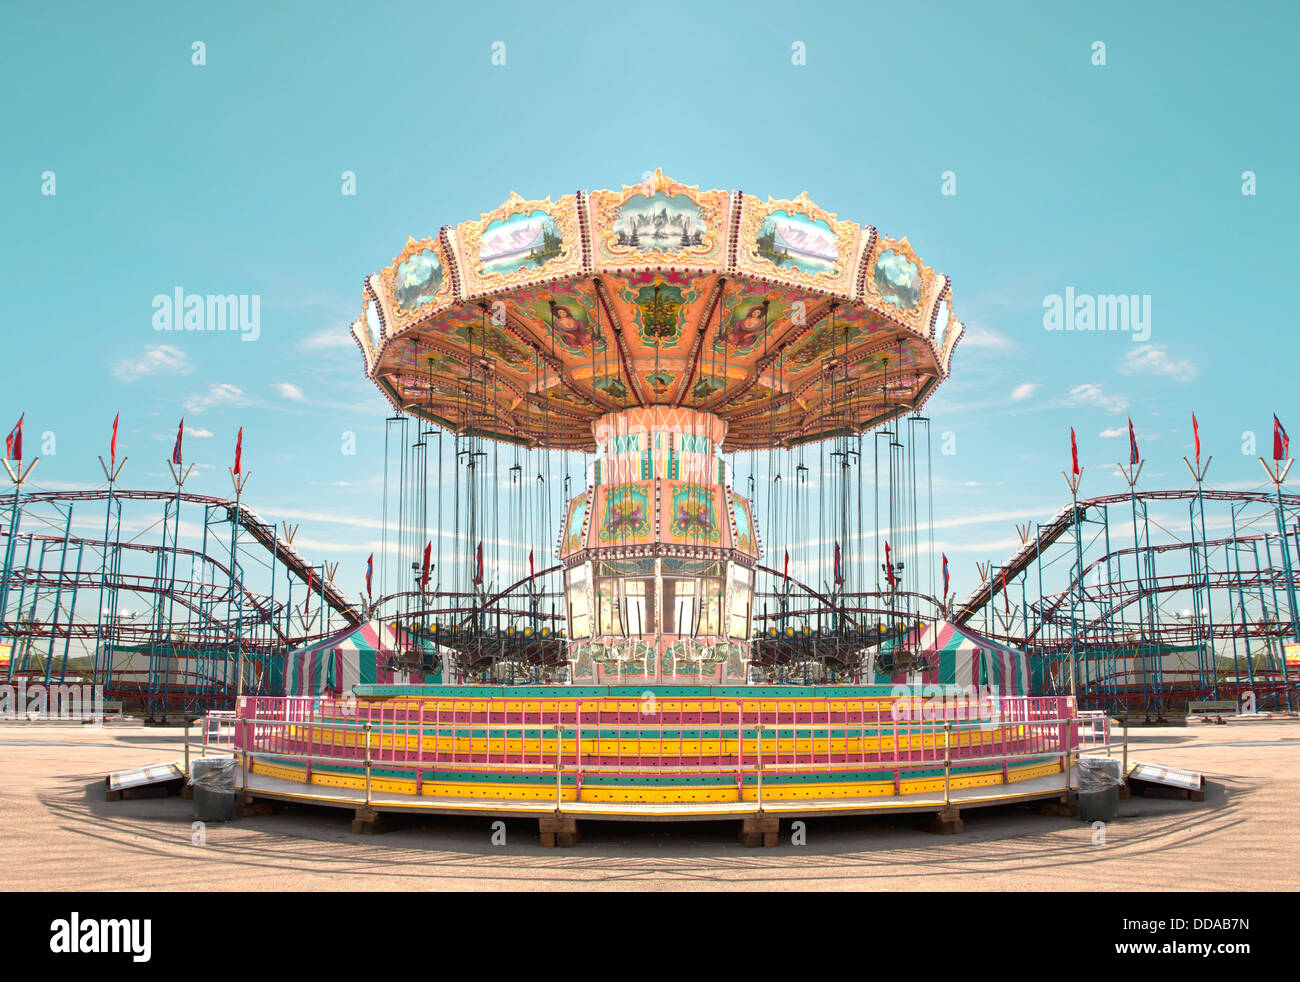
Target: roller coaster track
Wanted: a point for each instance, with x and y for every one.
(1070, 515)
(252, 523)
(187, 593)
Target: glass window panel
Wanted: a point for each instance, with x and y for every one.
(579, 602)
(711, 609)
(608, 609)
(640, 597)
(679, 606)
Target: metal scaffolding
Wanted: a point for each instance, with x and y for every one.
(159, 609)
(1142, 612)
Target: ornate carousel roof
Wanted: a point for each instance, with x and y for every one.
(527, 324)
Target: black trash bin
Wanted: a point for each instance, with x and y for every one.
(1099, 784)
(213, 781)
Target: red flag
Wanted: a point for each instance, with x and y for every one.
(839, 570)
(311, 578)
(1281, 442)
(945, 576)
(1196, 435)
(176, 448)
(1074, 454)
(112, 445)
(786, 574)
(370, 572)
(531, 571)
(478, 563)
(1006, 603)
(14, 441)
(424, 575)
(889, 568)
(239, 448)
(1132, 444)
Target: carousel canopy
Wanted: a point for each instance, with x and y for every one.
(960, 656)
(540, 317)
(354, 656)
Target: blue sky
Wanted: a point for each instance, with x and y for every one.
(225, 178)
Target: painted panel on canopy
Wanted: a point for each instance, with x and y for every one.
(947, 329)
(608, 382)
(368, 329)
(485, 406)
(746, 539)
(567, 399)
(748, 407)
(486, 340)
(796, 240)
(662, 308)
(428, 377)
(900, 283)
(659, 382)
(692, 514)
(828, 339)
(742, 319)
(709, 381)
(464, 331)
(571, 538)
(624, 515)
(660, 221)
(576, 325)
(520, 242)
(416, 284)
(410, 356)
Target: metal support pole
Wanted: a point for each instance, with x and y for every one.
(243, 747)
(1069, 754)
(1125, 724)
(559, 766)
(367, 763)
(947, 762)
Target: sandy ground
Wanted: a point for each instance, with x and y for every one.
(58, 833)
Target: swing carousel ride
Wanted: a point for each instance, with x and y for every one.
(623, 365)
(647, 378)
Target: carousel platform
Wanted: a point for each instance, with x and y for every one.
(667, 753)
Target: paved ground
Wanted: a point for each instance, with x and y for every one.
(58, 833)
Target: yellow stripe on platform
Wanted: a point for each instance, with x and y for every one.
(533, 747)
(723, 792)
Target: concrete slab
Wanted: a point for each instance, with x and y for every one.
(60, 834)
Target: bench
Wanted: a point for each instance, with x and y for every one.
(1214, 709)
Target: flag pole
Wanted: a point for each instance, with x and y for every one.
(1198, 475)
(238, 479)
(111, 471)
(1131, 475)
(180, 474)
(1277, 474)
(14, 519)
(1073, 481)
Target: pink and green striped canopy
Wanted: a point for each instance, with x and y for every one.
(355, 656)
(965, 658)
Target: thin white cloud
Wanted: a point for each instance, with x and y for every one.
(331, 518)
(156, 359)
(1023, 391)
(1112, 432)
(1154, 359)
(289, 391)
(336, 336)
(979, 336)
(1091, 394)
(199, 432)
(221, 394)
